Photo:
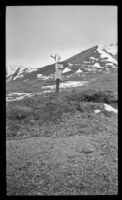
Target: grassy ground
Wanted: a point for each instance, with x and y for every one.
(57, 145)
(104, 82)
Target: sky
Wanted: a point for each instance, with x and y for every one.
(35, 32)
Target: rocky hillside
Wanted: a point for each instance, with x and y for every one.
(97, 58)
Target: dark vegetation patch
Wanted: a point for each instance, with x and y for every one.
(37, 111)
(93, 96)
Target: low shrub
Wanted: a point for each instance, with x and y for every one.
(43, 110)
(52, 106)
(92, 96)
(98, 96)
(12, 130)
(86, 107)
(18, 112)
(52, 111)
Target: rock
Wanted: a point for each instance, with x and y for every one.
(110, 108)
(97, 111)
(84, 148)
(88, 150)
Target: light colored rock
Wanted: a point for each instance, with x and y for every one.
(110, 108)
(97, 111)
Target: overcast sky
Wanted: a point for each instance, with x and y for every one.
(33, 32)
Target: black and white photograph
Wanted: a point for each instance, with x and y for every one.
(61, 100)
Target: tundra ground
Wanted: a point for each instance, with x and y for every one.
(57, 145)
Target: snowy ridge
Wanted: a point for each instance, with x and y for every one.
(98, 58)
(103, 53)
(112, 48)
(11, 69)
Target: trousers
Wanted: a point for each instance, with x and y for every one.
(57, 85)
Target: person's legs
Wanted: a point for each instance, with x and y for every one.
(57, 85)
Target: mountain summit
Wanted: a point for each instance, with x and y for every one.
(97, 58)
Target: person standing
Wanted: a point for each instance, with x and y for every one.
(58, 71)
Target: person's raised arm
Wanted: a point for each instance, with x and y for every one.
(54, 57)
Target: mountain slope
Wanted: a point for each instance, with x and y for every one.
(97, 58)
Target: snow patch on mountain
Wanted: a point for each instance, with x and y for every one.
(112, 48)
(18, 76)
(92, 58)
(41, 76)
(103, 54)
(97, 65)
(114, 67)
(67, 69)
(109, 64)
(11, 69)
(90, 69)
(29, 70)
(79, 71)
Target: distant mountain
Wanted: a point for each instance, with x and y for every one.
(97, 58)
